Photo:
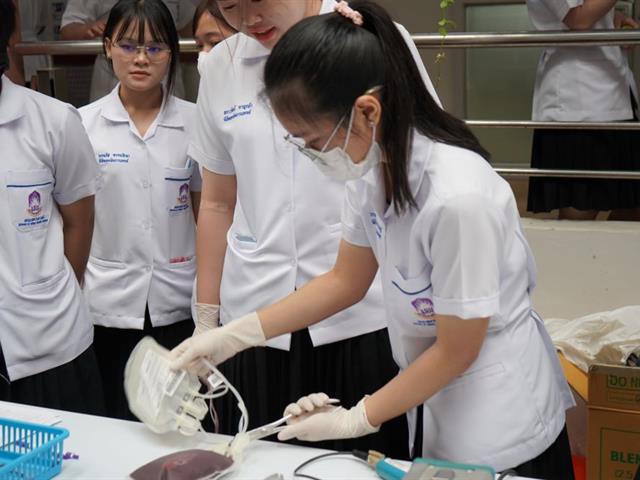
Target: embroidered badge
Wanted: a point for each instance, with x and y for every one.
(183, 193)
(182, 200)
(239, 110)
(113, 157)
(424, 310)
(35, 206)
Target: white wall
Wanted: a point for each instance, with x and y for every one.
(584, 267)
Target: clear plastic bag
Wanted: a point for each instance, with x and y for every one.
(604, 337)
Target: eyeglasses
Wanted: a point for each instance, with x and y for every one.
(155, 53)
(312, 153)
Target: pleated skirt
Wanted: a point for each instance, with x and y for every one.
(269, 379)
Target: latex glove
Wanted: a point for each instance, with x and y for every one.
(218, 344)
(315, 420)
(207, 317)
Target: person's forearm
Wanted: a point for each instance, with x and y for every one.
(74, 31)
(214, 221)
(429, 373)
(77, 245)
(584, 16)
(322, 297)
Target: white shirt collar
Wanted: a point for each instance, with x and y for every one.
(421, 149)
(11, 108)
(169, 115)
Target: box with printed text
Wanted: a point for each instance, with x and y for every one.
(612, 397)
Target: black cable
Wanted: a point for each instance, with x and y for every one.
(355, 453)
(507, 473)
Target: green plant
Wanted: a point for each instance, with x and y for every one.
(443, 29)
(444, 22)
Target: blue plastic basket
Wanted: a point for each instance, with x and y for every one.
(29, 451)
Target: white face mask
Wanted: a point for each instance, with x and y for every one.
(336, 163)
(201, 59)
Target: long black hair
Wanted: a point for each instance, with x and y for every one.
(324, 63)
(7, 27)
(143, 12)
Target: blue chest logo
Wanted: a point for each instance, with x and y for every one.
(238, 110)
(373, 217)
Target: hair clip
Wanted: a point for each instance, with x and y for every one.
(346, 11)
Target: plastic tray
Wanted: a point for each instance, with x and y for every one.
(29, 451)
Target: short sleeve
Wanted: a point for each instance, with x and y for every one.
(75, 167)
(206, 146)
(465, 245)
(560, 8)
(77, 11)
(196, 178)
(186, 10)
(353, 230)
(418, 59)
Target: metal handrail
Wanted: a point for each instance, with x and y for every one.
(555, 125)
(78, 47)
(452, 40)
(527, 39)
(429, 40)
(539, 172)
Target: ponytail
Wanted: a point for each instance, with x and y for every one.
(324, 63)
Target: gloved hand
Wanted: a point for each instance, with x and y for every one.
(316, 420)
(207, 317)
(218, 344)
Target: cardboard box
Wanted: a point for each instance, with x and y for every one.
(612, 397)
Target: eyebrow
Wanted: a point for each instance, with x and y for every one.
(131, 40)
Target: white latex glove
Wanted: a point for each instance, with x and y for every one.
(218, 344)
(207, 317)
(316, 420)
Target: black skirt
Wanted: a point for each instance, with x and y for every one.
(74, 386)
(584, 150)
(113, 347)
(269, 379)
(553, 464)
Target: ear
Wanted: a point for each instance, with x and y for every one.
(107, 47)
(370, 107)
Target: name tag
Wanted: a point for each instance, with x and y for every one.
(113, 157)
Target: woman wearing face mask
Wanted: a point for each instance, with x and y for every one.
(141, 269)
(48, 181)
(209, 27)
(430, 213)
(269, 224)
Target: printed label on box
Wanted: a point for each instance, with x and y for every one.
(619, 454)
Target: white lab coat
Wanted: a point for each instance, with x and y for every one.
(86, 11)
(33, 25)
(143, 249)
(589, 83)
(286, 227)
(462, 253)
(46, 160)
